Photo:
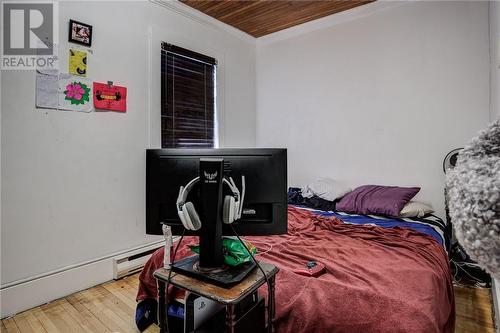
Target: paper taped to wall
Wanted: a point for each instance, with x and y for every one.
(63, 91)
(110, 97)
(47, 88)
(77, 62)
(74, 93)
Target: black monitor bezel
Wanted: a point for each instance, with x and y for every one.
(153, 226)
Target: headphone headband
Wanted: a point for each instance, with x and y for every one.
(234, 208)
(184, 191)
(232, 186)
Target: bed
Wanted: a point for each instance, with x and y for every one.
(383, 275)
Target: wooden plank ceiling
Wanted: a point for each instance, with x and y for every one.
(262, 17)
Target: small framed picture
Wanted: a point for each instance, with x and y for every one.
(80, 33)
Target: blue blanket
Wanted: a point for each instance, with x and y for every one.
(430, 225)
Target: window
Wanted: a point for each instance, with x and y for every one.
(187, 99)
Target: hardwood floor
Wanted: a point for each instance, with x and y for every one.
(474, 310)
(110, 307)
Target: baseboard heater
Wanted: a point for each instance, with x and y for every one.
(133, 261)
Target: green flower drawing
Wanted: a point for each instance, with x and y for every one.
(77, 93)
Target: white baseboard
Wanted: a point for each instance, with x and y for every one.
(495, 290)
(40, 291)
(28, 293)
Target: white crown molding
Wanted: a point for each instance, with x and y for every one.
(178, 7)
(329, 21)
(197, 16)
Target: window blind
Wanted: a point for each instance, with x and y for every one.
(187, 98)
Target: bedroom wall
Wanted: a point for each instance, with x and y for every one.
(495, 59)
(73, 184)
(377, 96)
(495, 108)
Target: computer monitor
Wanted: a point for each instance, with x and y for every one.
(264, 210)
(265, 202)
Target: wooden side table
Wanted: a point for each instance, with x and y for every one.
(229, 297)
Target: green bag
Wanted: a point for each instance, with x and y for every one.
(233, 250)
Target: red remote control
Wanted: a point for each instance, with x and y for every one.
(312, 268)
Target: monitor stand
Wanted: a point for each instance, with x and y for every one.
(225, 276)
(209, 264)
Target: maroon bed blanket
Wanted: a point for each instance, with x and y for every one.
(377, 280)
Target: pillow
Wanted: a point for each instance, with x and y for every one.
(326, 188)
(376, 199)
(415, 209)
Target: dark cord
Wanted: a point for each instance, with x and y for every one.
(169, 276)
(256, 262)
(173, 261)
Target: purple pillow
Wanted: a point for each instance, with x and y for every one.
(377, 200)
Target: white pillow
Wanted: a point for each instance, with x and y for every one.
(415, 209)
(326, 188)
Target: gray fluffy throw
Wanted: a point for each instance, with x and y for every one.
(474, 199)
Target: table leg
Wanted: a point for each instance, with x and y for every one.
(162, 317)
(230, 318)
(271, 312)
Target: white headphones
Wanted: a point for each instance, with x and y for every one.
(231, 210)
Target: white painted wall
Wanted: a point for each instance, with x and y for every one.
(495, 59)
(73, 184)
(495, 108)
(379, 99)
